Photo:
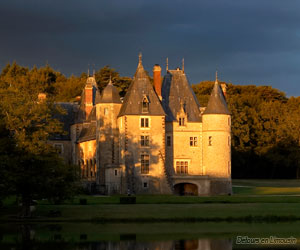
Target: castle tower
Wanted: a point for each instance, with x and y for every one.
(217, 142)
(107, 110)
(142, 137)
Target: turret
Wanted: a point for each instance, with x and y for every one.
(216, 140)
(108, 106)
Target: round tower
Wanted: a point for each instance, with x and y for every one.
(216, 121)
(107, 135)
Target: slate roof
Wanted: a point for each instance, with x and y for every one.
(92, 115)
(67, 119)
(217, 103)
(88, 132)
(110, 94)
(176, 88)
(139, 88)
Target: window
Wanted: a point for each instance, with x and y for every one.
(181, 121)
(193, 141)
(87, 168)
(169, 142)
(94, 167)
(116, 172)
(181, 167)
(145, 141)
(91, 168)
(145, 105)
(145, 160)
(210, 141)
(145, 184)
(145, 122)
(105, 111)
(59, 148)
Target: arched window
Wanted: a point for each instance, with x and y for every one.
(94, 167)
(87, 168)
(91, 168)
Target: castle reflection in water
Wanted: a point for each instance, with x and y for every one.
(195, 244)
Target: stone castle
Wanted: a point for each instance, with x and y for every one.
(157, 140)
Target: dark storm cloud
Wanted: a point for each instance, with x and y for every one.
(249, 41)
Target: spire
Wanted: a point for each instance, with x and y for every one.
(216, 81)
(140, 58)
(183, 65)
(167, 64)
(140, 71)
(182, 106)
(110, 82)
(94, 73)
(88, 72)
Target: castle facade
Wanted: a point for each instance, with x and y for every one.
(156, 141)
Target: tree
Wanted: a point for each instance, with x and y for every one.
(104, 74)
(30, 165)
(265, 130)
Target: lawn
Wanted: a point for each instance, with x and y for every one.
(253, 200)
(266, 187)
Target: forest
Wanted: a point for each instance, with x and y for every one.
(265, 122)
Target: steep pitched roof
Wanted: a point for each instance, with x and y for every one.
(139, 88)
(92, 115)
(110, 94)
(88, 132)
(176, 90)
(67, 119)
(217, 103)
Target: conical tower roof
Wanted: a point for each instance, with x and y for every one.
(110, 94)
(139, 89)
(217, 103)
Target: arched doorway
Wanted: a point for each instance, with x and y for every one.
(186, 189)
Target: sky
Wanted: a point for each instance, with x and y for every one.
(247, 41)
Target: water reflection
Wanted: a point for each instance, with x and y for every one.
(120, 237)
(197, 244)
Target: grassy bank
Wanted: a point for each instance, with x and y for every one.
(253, 201)
(243, 212)
(266, 187)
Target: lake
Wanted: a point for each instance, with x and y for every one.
(147, 236)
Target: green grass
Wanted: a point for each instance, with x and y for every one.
(253, 200)
(245, 212)
(267, 182)
(266, 187)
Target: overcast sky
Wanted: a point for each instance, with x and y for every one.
(248, 41)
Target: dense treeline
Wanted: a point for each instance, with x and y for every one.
(56, 85)
(265, 123)
(265, 130)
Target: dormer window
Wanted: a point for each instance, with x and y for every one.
(145, 105)
(181, 115)
(181, 121)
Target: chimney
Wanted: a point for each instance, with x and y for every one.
(224, 87)
(88, 101)
(42, 97)
(157, 80)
